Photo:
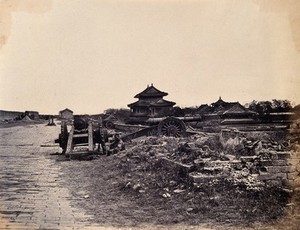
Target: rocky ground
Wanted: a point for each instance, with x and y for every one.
(138, 185)
(134, 188)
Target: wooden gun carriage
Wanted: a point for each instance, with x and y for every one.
(84, 132)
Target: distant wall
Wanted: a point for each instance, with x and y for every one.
(9, 115)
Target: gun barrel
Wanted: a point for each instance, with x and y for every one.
(184, 119)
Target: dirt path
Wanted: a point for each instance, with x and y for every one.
(33, 194)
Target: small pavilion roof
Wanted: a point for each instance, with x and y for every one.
(151, 91)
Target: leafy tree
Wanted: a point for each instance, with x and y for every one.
(177, 112)
(281, 105)
(190, 111)
(267, 107)
(166, 112)
(120, 114)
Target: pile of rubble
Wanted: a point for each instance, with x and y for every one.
(204, 174)
(206, 157)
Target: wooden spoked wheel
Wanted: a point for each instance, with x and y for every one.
(109, 124)
(172, 127)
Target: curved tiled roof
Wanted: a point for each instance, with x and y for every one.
(159, 103)
(151, 91)
(162, 102)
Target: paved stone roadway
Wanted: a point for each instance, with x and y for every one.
(32, 195)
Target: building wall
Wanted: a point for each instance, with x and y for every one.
(9, 115)
(66, 114)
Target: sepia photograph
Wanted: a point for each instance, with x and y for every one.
(149, 114)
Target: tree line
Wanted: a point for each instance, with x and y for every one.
(260, 107)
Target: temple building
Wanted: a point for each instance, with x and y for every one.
(150, 104)
(223, 114)
(226, 110)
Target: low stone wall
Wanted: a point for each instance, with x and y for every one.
(274, 168)
(294, 176)
(178, 168)
(280, 169)
(277, 168)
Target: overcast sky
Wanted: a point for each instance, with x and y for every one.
(91, 55)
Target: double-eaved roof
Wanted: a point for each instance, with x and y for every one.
(151, 97)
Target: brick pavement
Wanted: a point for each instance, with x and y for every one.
(32, 194)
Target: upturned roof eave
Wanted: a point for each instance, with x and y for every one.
(153, 104)
(137, 103)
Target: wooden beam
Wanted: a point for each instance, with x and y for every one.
(90, 130)
(80, 135)
(70, 140)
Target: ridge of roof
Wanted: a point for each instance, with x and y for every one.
(66, 110)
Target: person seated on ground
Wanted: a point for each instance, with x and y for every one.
(117, 145)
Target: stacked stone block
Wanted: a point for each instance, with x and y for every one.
(294, 175)
(279, 169)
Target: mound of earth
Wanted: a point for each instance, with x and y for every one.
(135, 188)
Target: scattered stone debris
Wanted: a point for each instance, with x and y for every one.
(202, 176)
(241, 160)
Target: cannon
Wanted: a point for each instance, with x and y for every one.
(84, 132)
(170, 126)
(88, 132)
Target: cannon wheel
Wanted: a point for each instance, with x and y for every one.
(109, 124)
(172, 127)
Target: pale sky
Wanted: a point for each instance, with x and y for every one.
(91, 55)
